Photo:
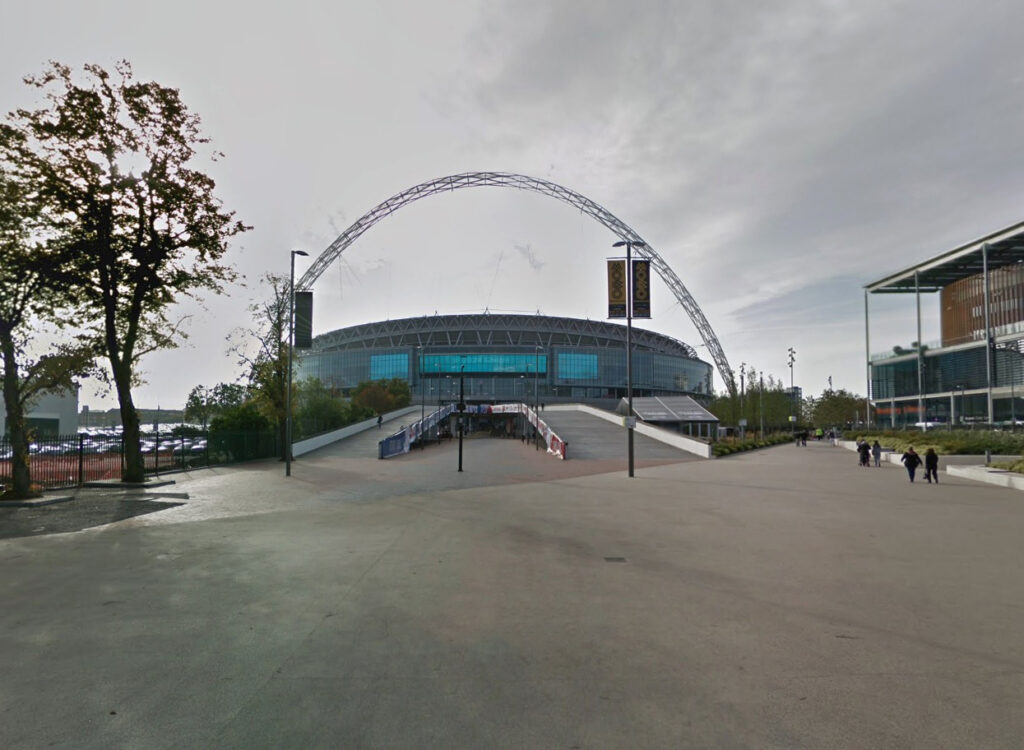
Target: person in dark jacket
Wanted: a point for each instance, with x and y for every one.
(864, 449)
(876, 452)
(931, 465)
(911, 460)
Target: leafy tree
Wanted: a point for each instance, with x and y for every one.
(246, 417)
(382, 395)
(204, 403)
(197, 406)
(111, 162)
(27, 302)
(837, 408)
(319, 409)
(760, 395)
(263, 351)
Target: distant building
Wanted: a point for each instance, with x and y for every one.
(50, 414)
(506, 357)
(147, 417)
(974, 373)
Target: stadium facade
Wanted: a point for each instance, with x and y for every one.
(975, 372)
(506, 357)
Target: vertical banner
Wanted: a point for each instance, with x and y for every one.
(303, 320)
(616, 289)
(641, 289)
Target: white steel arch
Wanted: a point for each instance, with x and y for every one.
(544, 187)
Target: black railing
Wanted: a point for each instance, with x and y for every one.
(70, 460)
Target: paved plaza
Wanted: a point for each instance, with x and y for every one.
(785, 598)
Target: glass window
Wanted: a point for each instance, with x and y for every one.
(576, 366)
(484, 363)
(387, 366)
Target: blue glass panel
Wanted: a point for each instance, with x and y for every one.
(575, 366)
(387, 366)
(484, 363)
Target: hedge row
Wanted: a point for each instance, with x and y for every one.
(946, 443)
(725, 449)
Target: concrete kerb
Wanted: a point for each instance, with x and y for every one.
(36, 502)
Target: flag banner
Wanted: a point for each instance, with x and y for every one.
(616, 289)
(303, 320)
(641, 289)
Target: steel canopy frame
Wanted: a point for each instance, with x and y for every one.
(532, 184)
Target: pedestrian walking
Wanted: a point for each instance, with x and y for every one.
(911, 460)
(864, 449)
(931, 465)
(876, 452)
(380, 421)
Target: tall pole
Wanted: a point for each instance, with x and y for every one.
(920, 357)
(989, 340)
(792, 391)
(462, 408)
(761, 400)
(867, 350)
(536, 400)
(288, 390)
(743, 368)
(629, 245)
(419, 374)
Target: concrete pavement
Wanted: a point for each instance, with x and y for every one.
(785, 598)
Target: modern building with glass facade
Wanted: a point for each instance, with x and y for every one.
(973, 374)
(506, 358)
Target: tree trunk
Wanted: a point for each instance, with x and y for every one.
(134, 468)
(21, 480)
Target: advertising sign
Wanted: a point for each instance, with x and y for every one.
(303, 320)
(641, 289)
(616, 289)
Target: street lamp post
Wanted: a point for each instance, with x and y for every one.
(288, 391)
(792, 391)
(629, 245)
(743, 416)
(462, 408)
(536, 400)
(419, 374)
(760, 397)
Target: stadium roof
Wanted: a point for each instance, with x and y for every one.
(439, 332)
(1004, 248)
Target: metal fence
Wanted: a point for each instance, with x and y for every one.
(70, 460)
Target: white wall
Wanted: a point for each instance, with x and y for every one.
(63, 407)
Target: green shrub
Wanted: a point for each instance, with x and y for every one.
(957, 442)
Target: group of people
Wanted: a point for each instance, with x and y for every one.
(866, 450)
(911, 460)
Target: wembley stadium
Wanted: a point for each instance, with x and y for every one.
(504, 357)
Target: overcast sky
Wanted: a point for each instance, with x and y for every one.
(778, 155)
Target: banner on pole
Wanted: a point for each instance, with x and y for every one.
(641, 289)
(616, 289)
(303, 320)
